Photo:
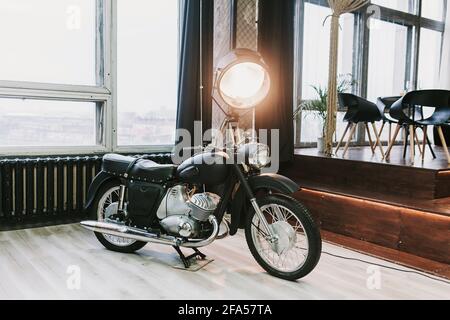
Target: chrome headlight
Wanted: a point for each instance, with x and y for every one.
(258, 155)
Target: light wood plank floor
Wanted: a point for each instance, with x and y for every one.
(34, 265)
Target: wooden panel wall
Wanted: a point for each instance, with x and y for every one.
(423, 234)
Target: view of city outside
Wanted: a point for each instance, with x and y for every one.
(46, 123)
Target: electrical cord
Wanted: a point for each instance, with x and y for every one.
(387, 267)
(371, 263)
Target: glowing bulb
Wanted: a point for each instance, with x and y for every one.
(244, 84)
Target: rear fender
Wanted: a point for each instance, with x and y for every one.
(100, 179)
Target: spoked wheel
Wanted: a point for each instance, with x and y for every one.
(106, 206)
(297, 246)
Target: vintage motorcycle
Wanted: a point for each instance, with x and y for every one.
(135, 201)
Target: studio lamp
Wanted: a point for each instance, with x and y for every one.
(242, 80)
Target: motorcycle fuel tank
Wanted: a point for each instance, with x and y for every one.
(208, 168)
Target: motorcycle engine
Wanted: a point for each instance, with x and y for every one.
(181, 215)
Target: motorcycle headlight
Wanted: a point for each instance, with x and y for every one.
(259, 155)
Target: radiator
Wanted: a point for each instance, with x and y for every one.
(47, 190)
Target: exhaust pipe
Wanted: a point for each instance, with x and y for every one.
(144, 236)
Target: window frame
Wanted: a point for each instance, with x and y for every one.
(413, 20)
(104, 94)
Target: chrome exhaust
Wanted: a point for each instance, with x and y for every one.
(137, 234)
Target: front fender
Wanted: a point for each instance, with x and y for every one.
(100, 179)
(274, 182)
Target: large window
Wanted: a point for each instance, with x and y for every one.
(389, 47)
(315, 57)
(316, 47)
(147, 71)
(48, 41)
(83, 76)
(429, 59)
(401, 5)
(387, 60)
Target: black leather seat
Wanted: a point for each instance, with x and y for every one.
(143, 169)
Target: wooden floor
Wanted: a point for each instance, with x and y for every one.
(365, 154)
(34, 265)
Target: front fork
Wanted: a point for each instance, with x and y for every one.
(271, 236)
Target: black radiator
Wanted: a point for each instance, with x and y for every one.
(44, 191)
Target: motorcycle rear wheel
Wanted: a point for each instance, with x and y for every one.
(112, 243)
(299, 245)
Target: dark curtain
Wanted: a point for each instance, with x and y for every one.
(276, 45)
(189, 97)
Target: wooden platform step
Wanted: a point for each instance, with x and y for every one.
(413, 231)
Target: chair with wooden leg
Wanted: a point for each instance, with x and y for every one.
(384, 104)
(409, 113)
(359, 110)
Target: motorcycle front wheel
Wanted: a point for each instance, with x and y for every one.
(298, 245)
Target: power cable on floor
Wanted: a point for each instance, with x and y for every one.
(387, 267)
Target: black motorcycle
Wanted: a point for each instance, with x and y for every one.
(135, 201)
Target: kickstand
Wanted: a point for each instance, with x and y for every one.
(186, 260)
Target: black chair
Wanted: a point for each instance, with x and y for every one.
(359, 111)
(384, 105)
(409, 113)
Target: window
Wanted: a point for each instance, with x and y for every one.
(83, 76)
(401, 5)
(49, 41)
(316, 48)
(433, 9)
(26, 122)
(380, 48)
(387, 60)
(429, 59)
(147, 72)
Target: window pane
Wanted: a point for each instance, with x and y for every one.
(316, 47)
(48, 41)
(46, 123)
(401, 5)
(433, 9)
(387, 60)
(429, 59)
(147, 71)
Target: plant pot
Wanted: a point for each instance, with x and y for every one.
(321, 144)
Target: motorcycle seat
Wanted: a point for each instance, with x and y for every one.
(142, 170)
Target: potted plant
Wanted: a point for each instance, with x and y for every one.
(318, 107)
